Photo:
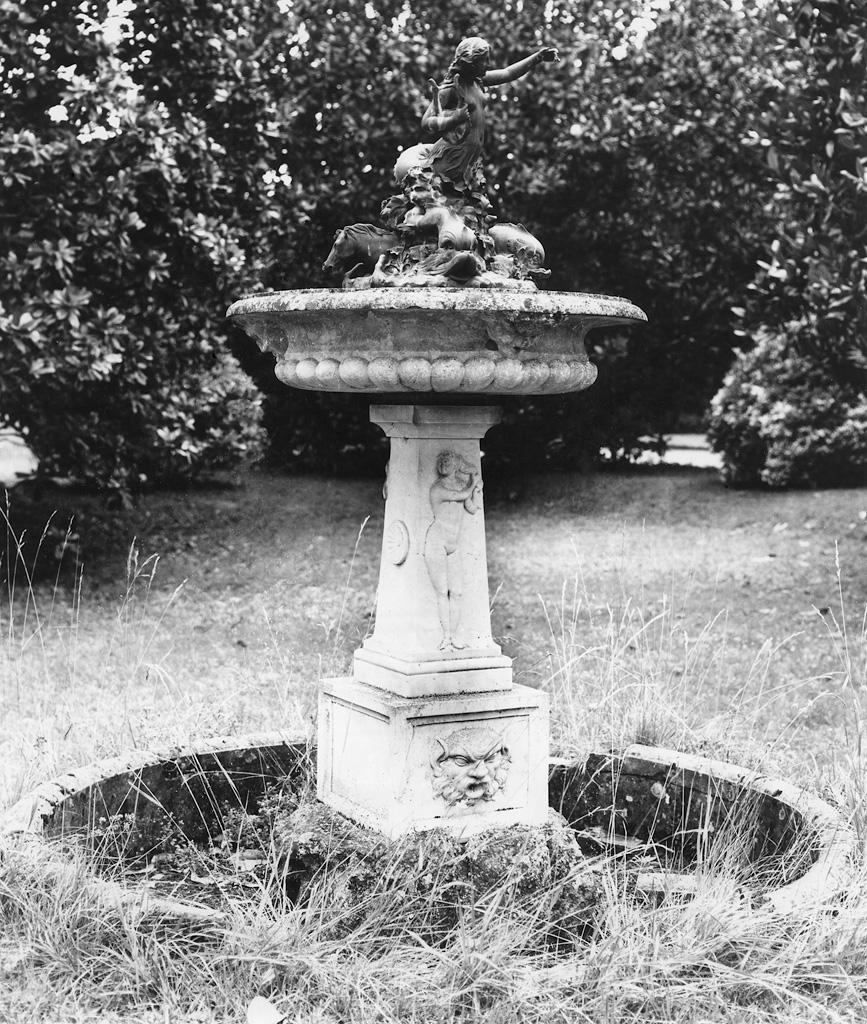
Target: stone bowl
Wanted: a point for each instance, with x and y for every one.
(454, 341)
(641, 799)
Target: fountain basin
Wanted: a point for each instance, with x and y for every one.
(691, 806)
(447, 340)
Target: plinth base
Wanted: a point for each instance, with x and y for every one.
(474, 672)
(464, 763)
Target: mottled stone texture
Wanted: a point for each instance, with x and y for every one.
(431, 881)
(455, 342)
(383, 758)
(794, 845)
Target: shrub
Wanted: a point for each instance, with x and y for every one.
(813, 132)
(782, 419)
(121, 242)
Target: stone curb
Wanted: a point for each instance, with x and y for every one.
(834, 866)
(35, 817)
(29, 818)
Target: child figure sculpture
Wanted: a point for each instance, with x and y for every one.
(456, 491)
(445, 233)
(457, 110)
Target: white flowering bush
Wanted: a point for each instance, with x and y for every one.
(782, 419)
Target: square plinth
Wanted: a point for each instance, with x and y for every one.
(461, 762)
(473, 671)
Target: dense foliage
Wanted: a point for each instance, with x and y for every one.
(793, 411)
(162, 158)
(123, 233)
(783, 419)
(814, 133)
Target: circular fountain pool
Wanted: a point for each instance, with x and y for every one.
(671, 813)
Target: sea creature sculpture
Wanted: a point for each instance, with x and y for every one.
(440, 231)
(359, 246)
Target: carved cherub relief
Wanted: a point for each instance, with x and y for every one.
(470, 766)
(456, 491)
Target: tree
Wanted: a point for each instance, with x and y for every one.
(792, 410)
(814, 136)
(653, 192)
(625, 159)
(122, 240)
(163, 158)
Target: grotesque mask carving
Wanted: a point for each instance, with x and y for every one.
(470, 766)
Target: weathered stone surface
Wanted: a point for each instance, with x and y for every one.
(434, 879)
(797, 846)
(183, 786)
(459, 762)
(535, 864)
(450, 341)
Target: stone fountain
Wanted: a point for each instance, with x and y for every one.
(439, 313)
(431, 692)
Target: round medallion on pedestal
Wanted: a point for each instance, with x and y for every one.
(397, 542)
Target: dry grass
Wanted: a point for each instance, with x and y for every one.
(68, 954)
(657, 608)
(724, 596)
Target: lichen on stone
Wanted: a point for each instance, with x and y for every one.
(432, 879)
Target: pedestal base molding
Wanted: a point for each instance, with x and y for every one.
(474, 673)
(398, 764)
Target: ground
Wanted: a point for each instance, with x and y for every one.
(653, 604)
(733, 598)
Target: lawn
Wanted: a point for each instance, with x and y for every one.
(653, 604)
(244, 596)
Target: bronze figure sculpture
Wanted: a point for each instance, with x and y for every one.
(456, 113)
(440, 231)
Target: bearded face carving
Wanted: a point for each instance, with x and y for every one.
(470, 766)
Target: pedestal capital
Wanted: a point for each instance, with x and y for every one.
(436, 421)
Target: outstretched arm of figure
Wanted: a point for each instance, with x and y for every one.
(499, 76)
(436, 121)
(474, 502)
